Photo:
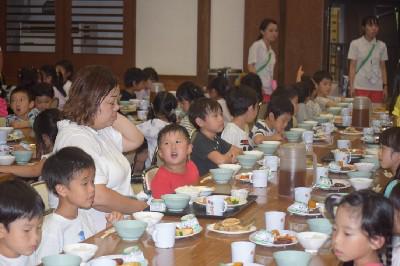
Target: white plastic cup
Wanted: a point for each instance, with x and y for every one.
(345, 111)
(272, 162)
(243, 251)
(216, 205)
(322, 172)
(275, 220)
(346, 120)
(259, 178)
(368, 131)
(308, 136)
(302, 194)
(343, 144)
(164, 235)
(240, 194)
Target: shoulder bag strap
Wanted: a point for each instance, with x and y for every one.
(264, 65)
(366, 58)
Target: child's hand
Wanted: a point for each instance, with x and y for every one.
(277, 136)
(113, 217)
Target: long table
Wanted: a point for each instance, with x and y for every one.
(209, 248)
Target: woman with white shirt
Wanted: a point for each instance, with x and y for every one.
(368, 56)
(93, 124)
(262, 58)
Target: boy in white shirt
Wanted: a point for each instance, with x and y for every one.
(279, 112)
(21, 216)
(69, 173)
(243, 105)
(323, 83)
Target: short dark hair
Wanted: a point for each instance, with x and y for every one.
(372, 20)
(287, 91)
(164, 104)
(27, 77)
(43, 89)
(23, 90)
(133, 75)
(200, 108)
(172, 128)
(240, 99)
(46, 124)
(61, 167)
(279, 105)
(253, 81)
(188, 91)
(220, 85)
(150, 73)
(320, 75)
(264, 24)
(18, 200)
(68, 66)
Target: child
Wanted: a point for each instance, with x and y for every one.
(49, 75)
(243, 105)
(44, 96)
(209, 149)
(134, 85)
(161, 114)
(323, 82)
(45, 129)
(22, 103)
(279, 112)
(150, 76)
(66, 70)
(218, 90)
(389, 154)
(69, 173)
(313, 109)
(363, 227)
(21, 213)
(186, 93)
(291, 93)
(174, 148)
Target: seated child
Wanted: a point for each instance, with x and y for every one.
(292, 94)
(22, 103)
(218, 89)
(243, 105)
(69, 173)
(253, 81)
(174, 148)
(150, 76)
(209, 150)
(49, 75)
(134, 84)
(66, 70)
(44, 96)
(21, 214)
(279, 113)
(313, 110)
(323, 82)
(186, 93)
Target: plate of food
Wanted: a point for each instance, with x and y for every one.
(232, 202)
(356, 152)
(187, 232)
(336, 185)
(231, 226)
(274, 238)
(302, 209)
(244, 177)
(337, 168)
(350, 131)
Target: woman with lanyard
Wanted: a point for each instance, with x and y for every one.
(262, 58)
(367, 70)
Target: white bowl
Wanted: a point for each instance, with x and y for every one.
(257, 153)
(312, 241)
(193, 192)
(205, 191)
(83, 250)
(234, 167)
(6, 159)
(364, 167)
(151, 218)
(8, 129)
(276, 142)
(361, 183)
(314, 123)
(298, 129)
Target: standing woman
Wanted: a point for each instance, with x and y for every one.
(92, 123)
(262, 58)
(367, 70)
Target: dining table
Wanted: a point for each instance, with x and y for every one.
(211, 248)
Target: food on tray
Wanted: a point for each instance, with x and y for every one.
(351, 130)
(312, 204)
(232, 200)
(183, 231)
(338, 185)
(231, 225)
(189, 225)
(244, 177)
(282, 239)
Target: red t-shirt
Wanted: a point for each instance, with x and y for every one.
(165, 182)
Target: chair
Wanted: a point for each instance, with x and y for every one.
(148, 176)
(41, 188)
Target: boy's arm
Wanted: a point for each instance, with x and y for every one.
(259, 138)
(21, 124)
(229, 157)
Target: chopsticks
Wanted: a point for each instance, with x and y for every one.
(108, 232)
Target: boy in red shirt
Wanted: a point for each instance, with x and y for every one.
(174, 148)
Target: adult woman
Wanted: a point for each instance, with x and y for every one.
(262, 58)
(367, 70)
(93, 124)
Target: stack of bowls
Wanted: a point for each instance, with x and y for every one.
(312, 122)
(360, 183)
(61, 260)
(312, 241)
(343, 105)
(322, 119)
(247, 161)
(222, 175)
(269, 146)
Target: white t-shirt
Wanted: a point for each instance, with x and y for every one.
(67, 87)
(61, 98)
(396, 251)
(369, 77)
(258, 55)
(59, 231)
(150, 130)
(105, 147)
(225, 110)
(31, 260)
(236, 136)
